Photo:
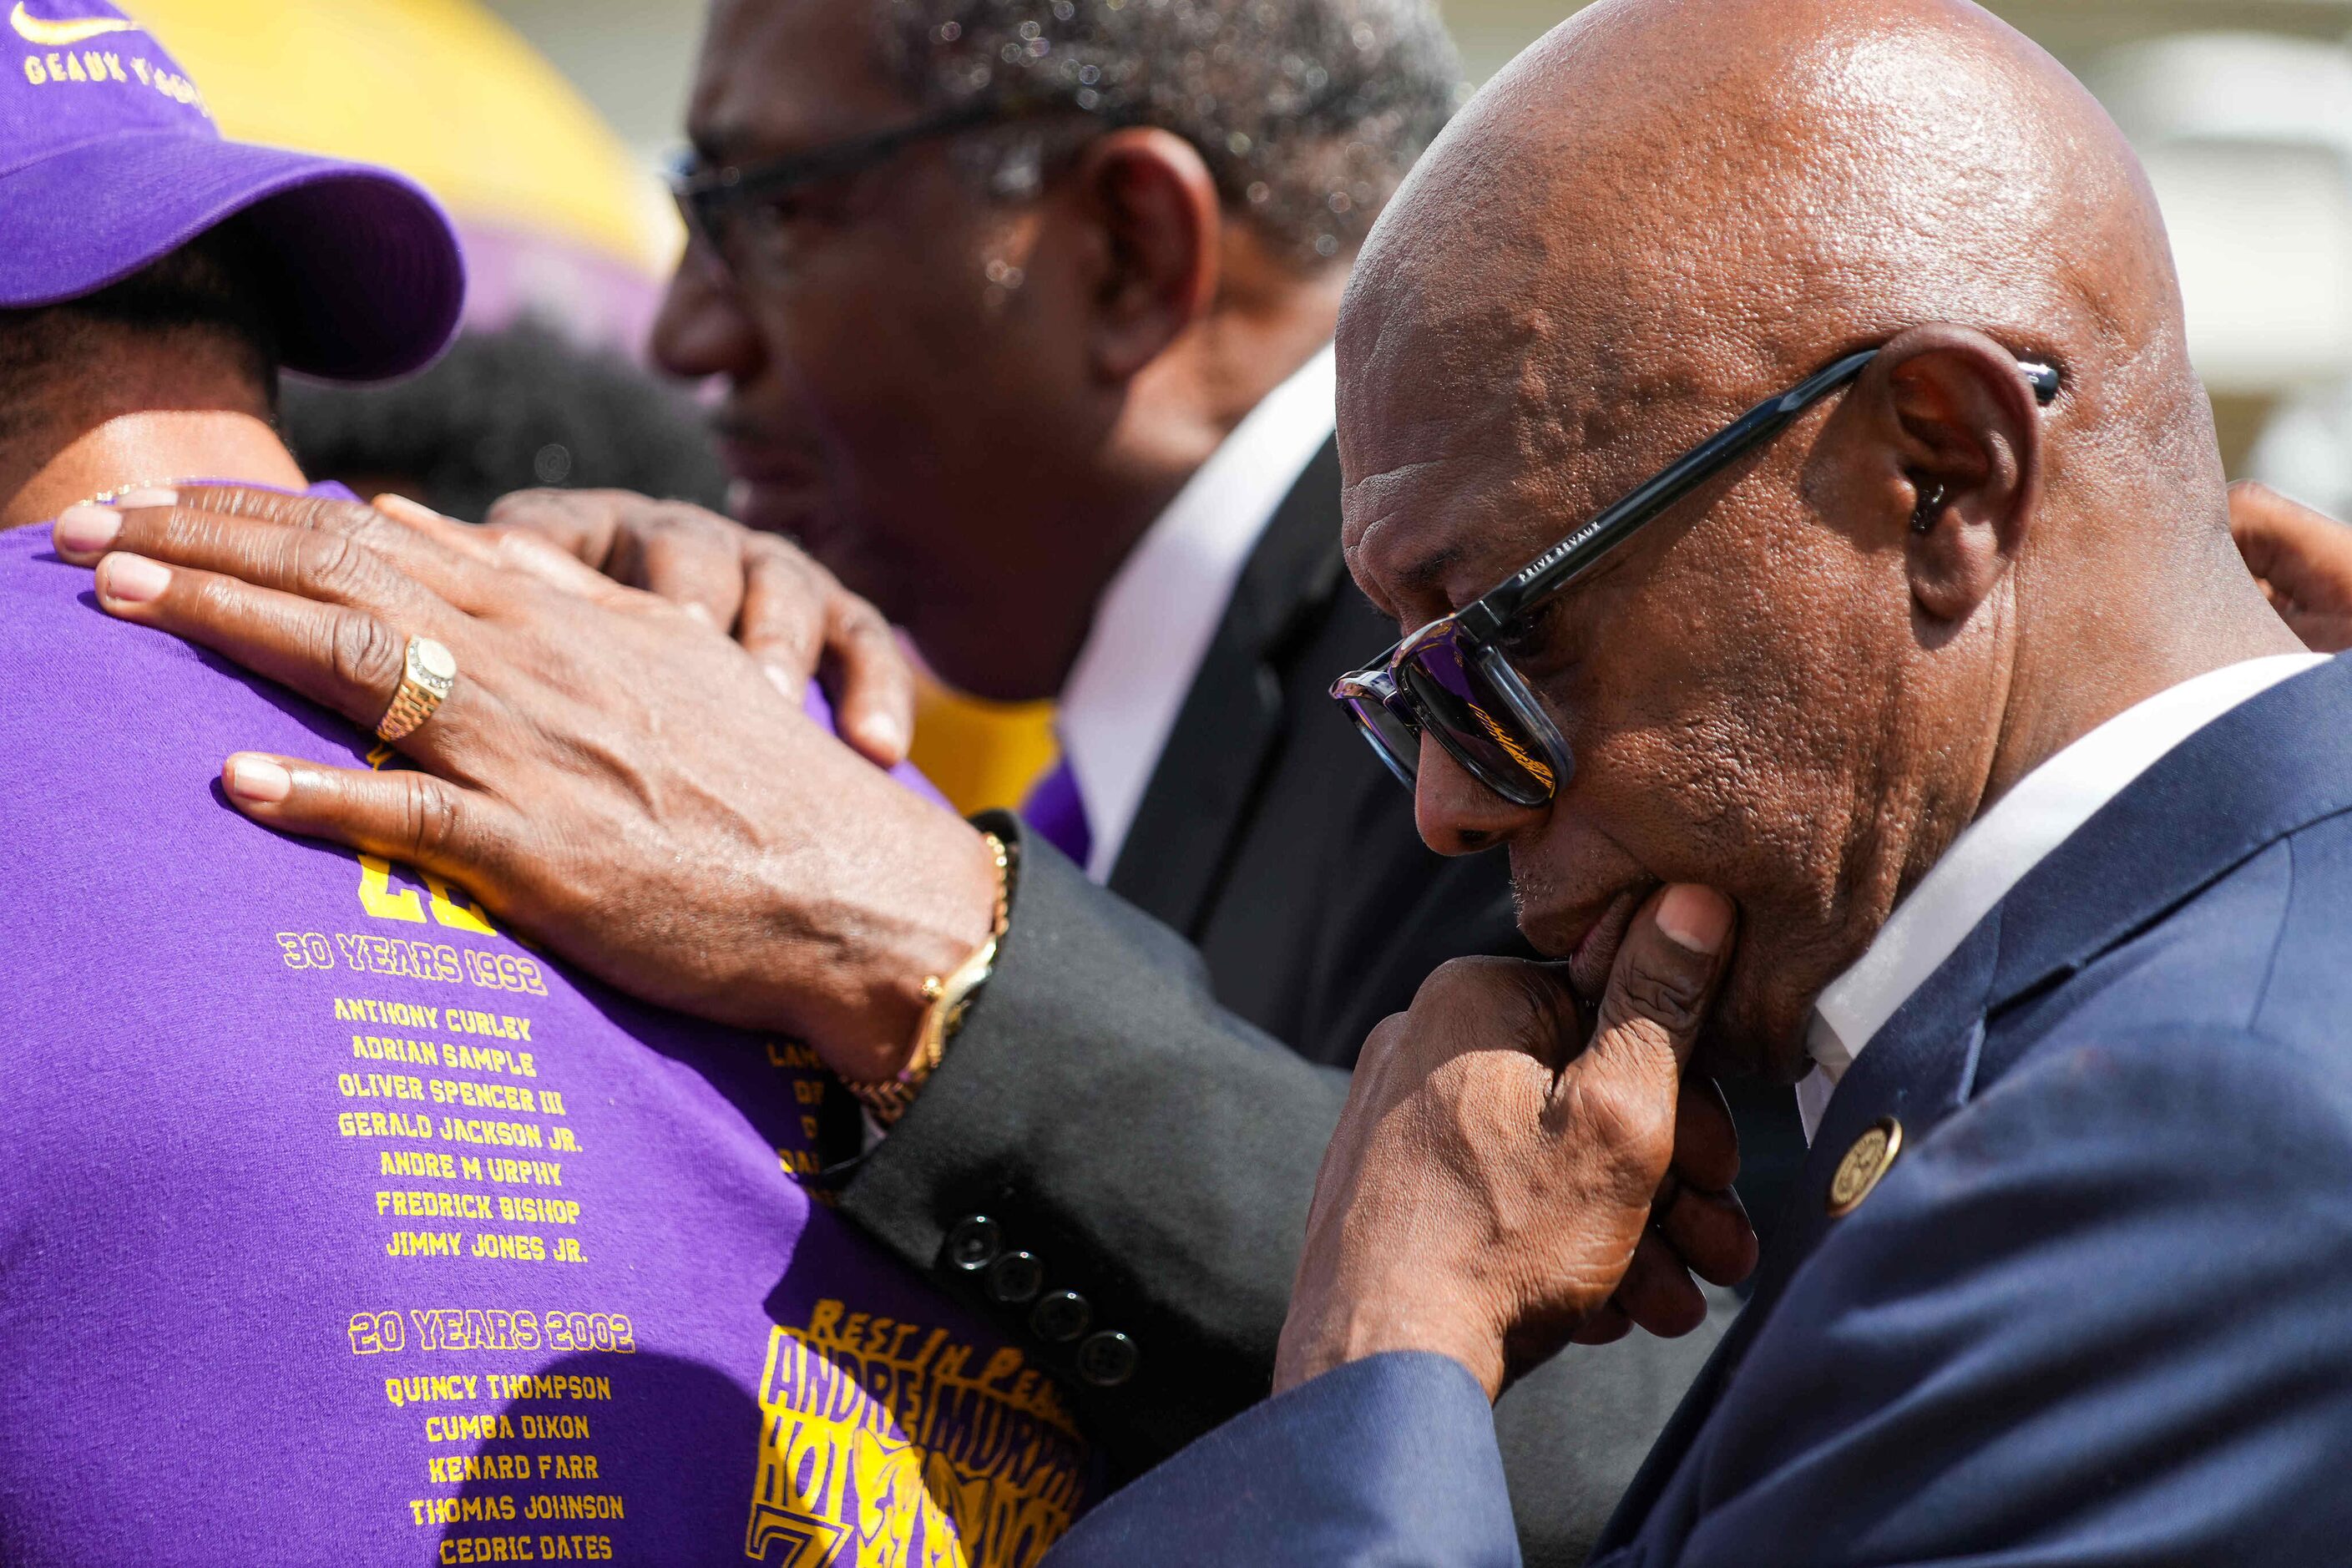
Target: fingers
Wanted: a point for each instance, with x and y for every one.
(2303, 559)
(545, 561)
(773, 598)
(1692, 1232)
(787, 611)
(1657, 1293)
(1607, 1325)
(797, 619)
(1658, 987)
(1706, 1142)
(1532, 1004)
(517, 550)
(871, 683)
(697, 568)
(338, 552)
(780, 624)
(676, 551)
(215, 529)
(2271, 530)
(1702, 1233)
(343, 658)
(461, 538)
(1709, 1232)
(1695, 1208)
(436, 826)
(582, 524)
(248, 532)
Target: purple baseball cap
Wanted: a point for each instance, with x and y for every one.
(108, 159)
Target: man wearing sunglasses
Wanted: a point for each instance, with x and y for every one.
(1023, 312)
(1934, 673)
(1453, 682)
(1550, 357)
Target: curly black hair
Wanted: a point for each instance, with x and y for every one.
(506, 410)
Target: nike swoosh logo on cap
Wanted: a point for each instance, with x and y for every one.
(66, 33)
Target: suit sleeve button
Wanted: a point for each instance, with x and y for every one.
(1015, 1278)
(1061, 1316)
(974, 1243)
(1107, 1359)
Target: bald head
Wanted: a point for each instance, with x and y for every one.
(1803, 682)
(1687, 199)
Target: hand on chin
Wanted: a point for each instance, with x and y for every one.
(1516, 1168)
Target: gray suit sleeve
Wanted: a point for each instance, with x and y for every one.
(1155, 1154)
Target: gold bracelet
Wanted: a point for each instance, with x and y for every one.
(946, 998)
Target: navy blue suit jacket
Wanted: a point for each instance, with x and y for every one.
(2098, 1311)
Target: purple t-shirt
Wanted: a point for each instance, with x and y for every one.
(338, 1227)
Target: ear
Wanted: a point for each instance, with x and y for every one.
(1952, 450)
(1154, 206)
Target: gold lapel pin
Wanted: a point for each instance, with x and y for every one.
(1871, 1155)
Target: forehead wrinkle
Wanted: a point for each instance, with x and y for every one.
(1364, 541)
(1449, 542)
(1427, 462)
(1368, 503)
(1405, 584)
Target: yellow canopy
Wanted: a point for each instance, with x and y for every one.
(440, 90)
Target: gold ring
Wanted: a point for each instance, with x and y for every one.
(431, 671)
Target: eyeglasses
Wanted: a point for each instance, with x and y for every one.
(1450, 679)
(744, 215)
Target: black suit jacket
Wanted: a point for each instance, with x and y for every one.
(1119, 1105)
(1272, 839)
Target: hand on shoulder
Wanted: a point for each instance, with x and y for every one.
(608, 772)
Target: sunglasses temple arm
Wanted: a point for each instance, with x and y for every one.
(1571, 557)
(1568, 559)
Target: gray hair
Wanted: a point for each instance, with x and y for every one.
(1307, 112)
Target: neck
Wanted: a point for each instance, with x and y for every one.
(2089, 661)
(155, 447)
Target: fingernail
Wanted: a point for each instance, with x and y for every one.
(259, 780)
(781, 679)
(883, 734)
(402, 509)
(150, 496)
(701, 612)
(1695, 918)
(132, 579)
(85, 529)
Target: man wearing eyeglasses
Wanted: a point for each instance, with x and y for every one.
(1023, 312)
(2067, 1274)
(1935, 672)
(1027, 339)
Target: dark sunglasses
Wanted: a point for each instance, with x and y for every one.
(1450, 679)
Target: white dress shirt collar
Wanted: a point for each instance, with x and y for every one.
(1154, 623)
(1996, 851)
